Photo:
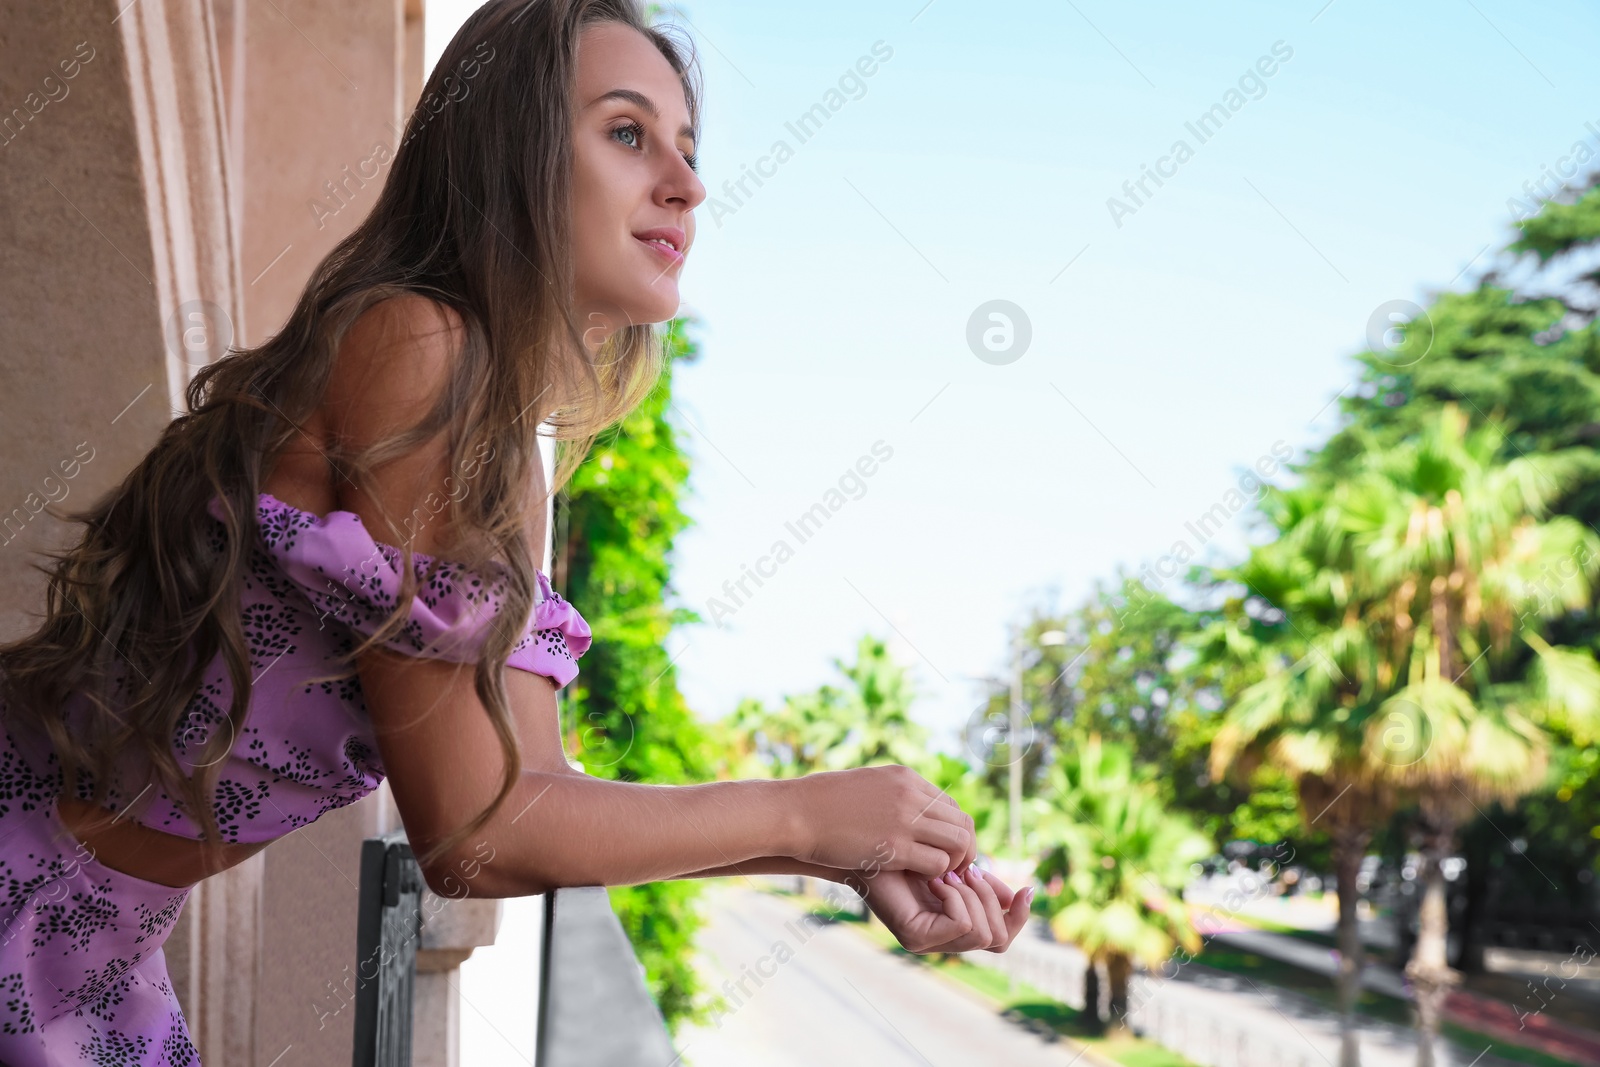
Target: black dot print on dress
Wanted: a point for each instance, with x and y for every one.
(234, 803)
(361, 758)
(20, 785)
(296, 767)
(104, 1006)
(177, 1047)
(75, 920)
(202, 717)
(96, 982)
(155, 922)
(16, 1010)
(267, 631)
(113, 1048)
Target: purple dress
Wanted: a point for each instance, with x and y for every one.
(82, 974)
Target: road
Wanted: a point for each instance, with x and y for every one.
(804, 995)
(1224, 1020)
(832, 997)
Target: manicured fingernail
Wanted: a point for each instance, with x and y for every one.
(950, 876)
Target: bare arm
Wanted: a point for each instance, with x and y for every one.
(559, 826)
(775, 865)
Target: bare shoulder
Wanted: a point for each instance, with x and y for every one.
(391, 365)
(389, 371)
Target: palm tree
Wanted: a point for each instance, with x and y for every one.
(873, 722)
(1299, 652)
(1471, 567)
(794, 738)
(1127, 860)
(1406, 588)
(864, 722)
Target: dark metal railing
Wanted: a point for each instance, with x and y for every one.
(388, 927)
(594, 1009)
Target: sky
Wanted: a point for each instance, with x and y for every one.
(1176, 336)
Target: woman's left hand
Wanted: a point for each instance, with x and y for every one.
(954, 914)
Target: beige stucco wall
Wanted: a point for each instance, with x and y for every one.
(88, 386)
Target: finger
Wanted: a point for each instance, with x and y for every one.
(931, 791)
(1017, 917)
(944, 809)
(968, 858)
(971, 828)
(947, 837)
(926, 860)
(955, 922)
(979, 937)
(994, 915)
(1002, 892)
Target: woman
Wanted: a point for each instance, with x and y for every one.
(273, 611)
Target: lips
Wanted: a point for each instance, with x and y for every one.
(671, 235)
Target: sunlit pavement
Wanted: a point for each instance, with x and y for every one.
(825, 995)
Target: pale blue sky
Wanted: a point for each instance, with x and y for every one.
(1178, 349)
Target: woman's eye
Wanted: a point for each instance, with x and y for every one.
(634, 130)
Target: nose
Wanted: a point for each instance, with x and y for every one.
(680, 187)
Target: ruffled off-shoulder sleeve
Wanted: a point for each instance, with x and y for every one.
(349, 577)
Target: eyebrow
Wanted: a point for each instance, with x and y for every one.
(645, 104)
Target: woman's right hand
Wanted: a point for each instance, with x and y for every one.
(886, 818)
(949, 914)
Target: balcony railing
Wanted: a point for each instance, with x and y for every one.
(594, 1009)
(388, 928)
(593, 1005)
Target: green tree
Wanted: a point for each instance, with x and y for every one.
(1519, 354)
(1126, 858)
(1296, 630)
(865, 721)
(1127, 669)
(875, 714)
(1469, 566)
(1401, 585)
(793, 738)
(623, 715)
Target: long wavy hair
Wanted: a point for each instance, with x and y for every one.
(475, 214)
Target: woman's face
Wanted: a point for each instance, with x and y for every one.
(631, 181)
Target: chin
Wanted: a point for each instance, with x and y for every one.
(655, 309)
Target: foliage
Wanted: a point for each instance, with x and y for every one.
(866, 721)
(1522, 360)
(1125, 857)
(1126, 669)
(624, 717)
(1401, 585)
(1391, 595)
